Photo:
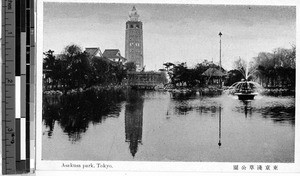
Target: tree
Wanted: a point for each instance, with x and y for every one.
(72, 50)
(101, 70)
(74, 69)
(199, 70)
(179, 74)
(168, 65)
(130, 66)
(277, 68)
(78, 68)
(233, 77)
(119, 73)
(53, 69)
(49, 60)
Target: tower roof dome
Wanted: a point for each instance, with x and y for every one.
(133, 15)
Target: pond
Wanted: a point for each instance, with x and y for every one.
(131, 125)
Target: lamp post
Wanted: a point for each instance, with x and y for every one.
(220, 34)
(220, 64)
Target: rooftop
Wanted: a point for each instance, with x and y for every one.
(93, 51)
(111, 53)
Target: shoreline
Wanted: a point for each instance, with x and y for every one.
(209, 89)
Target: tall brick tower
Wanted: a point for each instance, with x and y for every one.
(134, 40)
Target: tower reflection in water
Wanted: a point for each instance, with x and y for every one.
(134, 119)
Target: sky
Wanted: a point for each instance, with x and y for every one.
(173, 32)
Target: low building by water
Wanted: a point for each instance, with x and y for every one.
(146, 80)
(214, 76)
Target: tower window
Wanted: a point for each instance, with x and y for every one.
(131, 26)
(137, 26)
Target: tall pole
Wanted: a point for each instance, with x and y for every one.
(220, 34)
(220, 64)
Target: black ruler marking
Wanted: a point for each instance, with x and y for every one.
(23, 15)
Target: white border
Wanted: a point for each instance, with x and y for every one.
(162, 167)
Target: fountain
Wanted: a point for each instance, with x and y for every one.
(245, 89)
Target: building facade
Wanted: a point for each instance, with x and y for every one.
(134, 40)
(146, 80)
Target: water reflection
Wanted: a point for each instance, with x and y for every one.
(220, 129)
(279, 114)
(182, 96)
(74, 112)
(134, 119)
(247, 107)
(204, 102)
(214, 128)
(279, 110)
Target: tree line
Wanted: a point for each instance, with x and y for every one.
(277, 69)
(74, 68)
(181, 75)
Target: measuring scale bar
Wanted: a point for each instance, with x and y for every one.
(17, 84)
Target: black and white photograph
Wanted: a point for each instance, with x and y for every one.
(169, 83)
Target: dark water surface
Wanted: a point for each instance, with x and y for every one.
(156, 126)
